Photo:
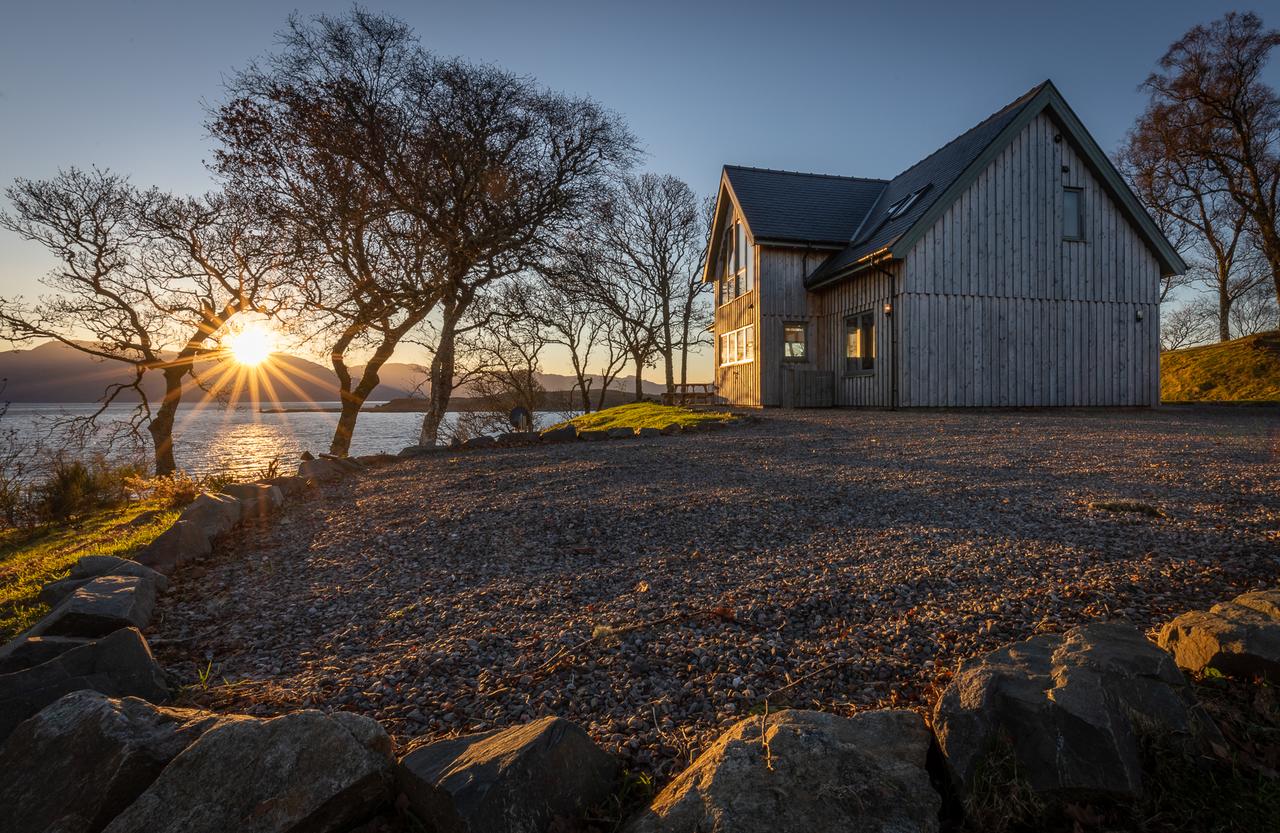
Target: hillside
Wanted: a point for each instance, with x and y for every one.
(1244, 370)
(53, 372)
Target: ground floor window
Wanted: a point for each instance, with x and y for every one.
(795, 340)
(860, 343)
(738, 346)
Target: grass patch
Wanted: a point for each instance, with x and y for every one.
(645, 415)
(31, 558)
(1244, 370)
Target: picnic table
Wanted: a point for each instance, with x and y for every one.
(691, 393)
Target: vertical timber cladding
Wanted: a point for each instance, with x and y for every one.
(1000, 310)
(739, 384)
(784, 300)
(867, 291)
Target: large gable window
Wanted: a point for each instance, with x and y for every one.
(738, 346)
(860, 343)
(738, 275)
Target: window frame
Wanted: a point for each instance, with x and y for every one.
(864, 323)
(741, 343)
(1079, 192)
(737, 276)
(803, 327)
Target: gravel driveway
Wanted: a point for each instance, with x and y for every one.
(656, 590)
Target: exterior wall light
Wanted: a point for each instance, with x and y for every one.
(888, 308)
(1137, 316)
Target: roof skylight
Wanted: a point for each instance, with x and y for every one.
(903, 205)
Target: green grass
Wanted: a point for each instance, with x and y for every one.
(31, 558)
(645, 415)
(1244, 370)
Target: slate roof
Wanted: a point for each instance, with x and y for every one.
(802, 208)
(935, 173)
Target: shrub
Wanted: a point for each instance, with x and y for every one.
(75, 487)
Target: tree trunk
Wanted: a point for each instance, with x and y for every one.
(1224, 310)
(353, 400)
(161, 425)
(635, 357)
(684, 350)
(442, 365)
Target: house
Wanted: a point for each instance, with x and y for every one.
(1012, 267)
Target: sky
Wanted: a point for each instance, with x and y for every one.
(853, 88)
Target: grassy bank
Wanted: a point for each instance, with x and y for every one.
(31, 558)
(645, 415)
(1244, 370)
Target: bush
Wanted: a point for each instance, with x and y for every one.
(74, 487)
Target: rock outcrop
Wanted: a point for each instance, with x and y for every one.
(100, 606)
(215, 514)
(81, 761)
(118, 665)
(518, 780)
(1072, 709)
(1239, 638)
(304, 771)
(180, 544)
(803, 771)
(92, 566)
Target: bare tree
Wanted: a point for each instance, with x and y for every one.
(651, 233)
(292, 135)
(1212, 107)
(1184, 326)
(1255, 312)
(144, 280)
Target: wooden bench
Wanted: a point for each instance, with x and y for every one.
(691, 393)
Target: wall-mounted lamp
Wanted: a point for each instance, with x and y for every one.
(1137, 316)
(1065, 169)
(1057, 138)
(888, 308)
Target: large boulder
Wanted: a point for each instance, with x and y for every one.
(801, 771)
(593, 434)
(321, 470)
(257, 500)
(216, 514)
(481, 441)
(1240, 637)
(290, 485)
(1073, 709)
(565, 433)
(81, 761)
(27, 651)
(90, 567)
(648, 433)
(180, 544)
(304, 771)
(517, 780)
(118, 665)
(100, 606)
(621, 433)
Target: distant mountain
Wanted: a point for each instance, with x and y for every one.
(54, 372)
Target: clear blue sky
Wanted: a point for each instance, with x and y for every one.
(847, 88)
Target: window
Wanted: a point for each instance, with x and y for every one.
(794, 342)
(1072, 214)
(739, 346)
(903, 205)
(738, 275)
(860, 343)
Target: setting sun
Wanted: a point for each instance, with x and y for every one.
(251, 345)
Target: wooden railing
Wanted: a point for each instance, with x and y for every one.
(691, 393)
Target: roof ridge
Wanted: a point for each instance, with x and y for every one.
(806, 173)
(1017, 102)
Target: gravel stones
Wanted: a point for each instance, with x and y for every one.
(305, 771)
(82, 760)
(802, 771)
(851, 559)
(1239, 638)
(1073, 709)
(118, 665)
(517, 780)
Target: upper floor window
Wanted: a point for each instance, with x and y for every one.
(1072, 214)
(794, 342)
(860, 343)
(738, 276)
(903, 205)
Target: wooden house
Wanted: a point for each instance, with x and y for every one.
(1011, 267)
